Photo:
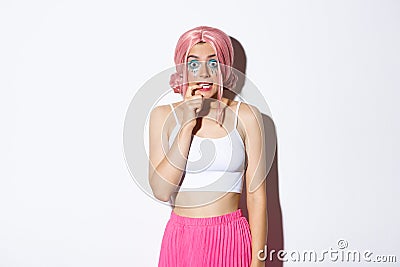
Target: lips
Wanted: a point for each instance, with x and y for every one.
(205, 86)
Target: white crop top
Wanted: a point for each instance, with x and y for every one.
(214, 164)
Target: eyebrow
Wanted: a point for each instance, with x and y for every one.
(213, 55)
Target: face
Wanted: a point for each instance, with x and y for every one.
(202, 66)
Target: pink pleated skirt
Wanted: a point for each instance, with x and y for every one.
(212, 241)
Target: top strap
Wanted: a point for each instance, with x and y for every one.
(173, 111)
(236, 116)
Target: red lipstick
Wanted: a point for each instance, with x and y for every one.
(205, 86)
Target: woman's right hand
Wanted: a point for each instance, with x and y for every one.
(192, 105)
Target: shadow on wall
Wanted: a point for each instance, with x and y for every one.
(275, 226)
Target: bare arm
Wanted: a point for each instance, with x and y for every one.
(166, 165)
(255, 180)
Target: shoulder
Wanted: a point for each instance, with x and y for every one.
(248, 112)
(161, 113)
(164, 109)
(158, 111)
(250, 119)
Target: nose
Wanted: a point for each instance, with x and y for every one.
(204, 71)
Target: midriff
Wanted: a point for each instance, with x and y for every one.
(206, 204)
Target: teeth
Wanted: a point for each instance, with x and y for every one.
(205, 85)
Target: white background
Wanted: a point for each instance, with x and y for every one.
(329, 71)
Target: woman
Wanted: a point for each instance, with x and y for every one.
(203, 151)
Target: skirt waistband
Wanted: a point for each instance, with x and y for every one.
(221, 219)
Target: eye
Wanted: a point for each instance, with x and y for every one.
(213, 63)
(194, 64)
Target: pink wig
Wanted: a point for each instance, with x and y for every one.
(223, 49)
